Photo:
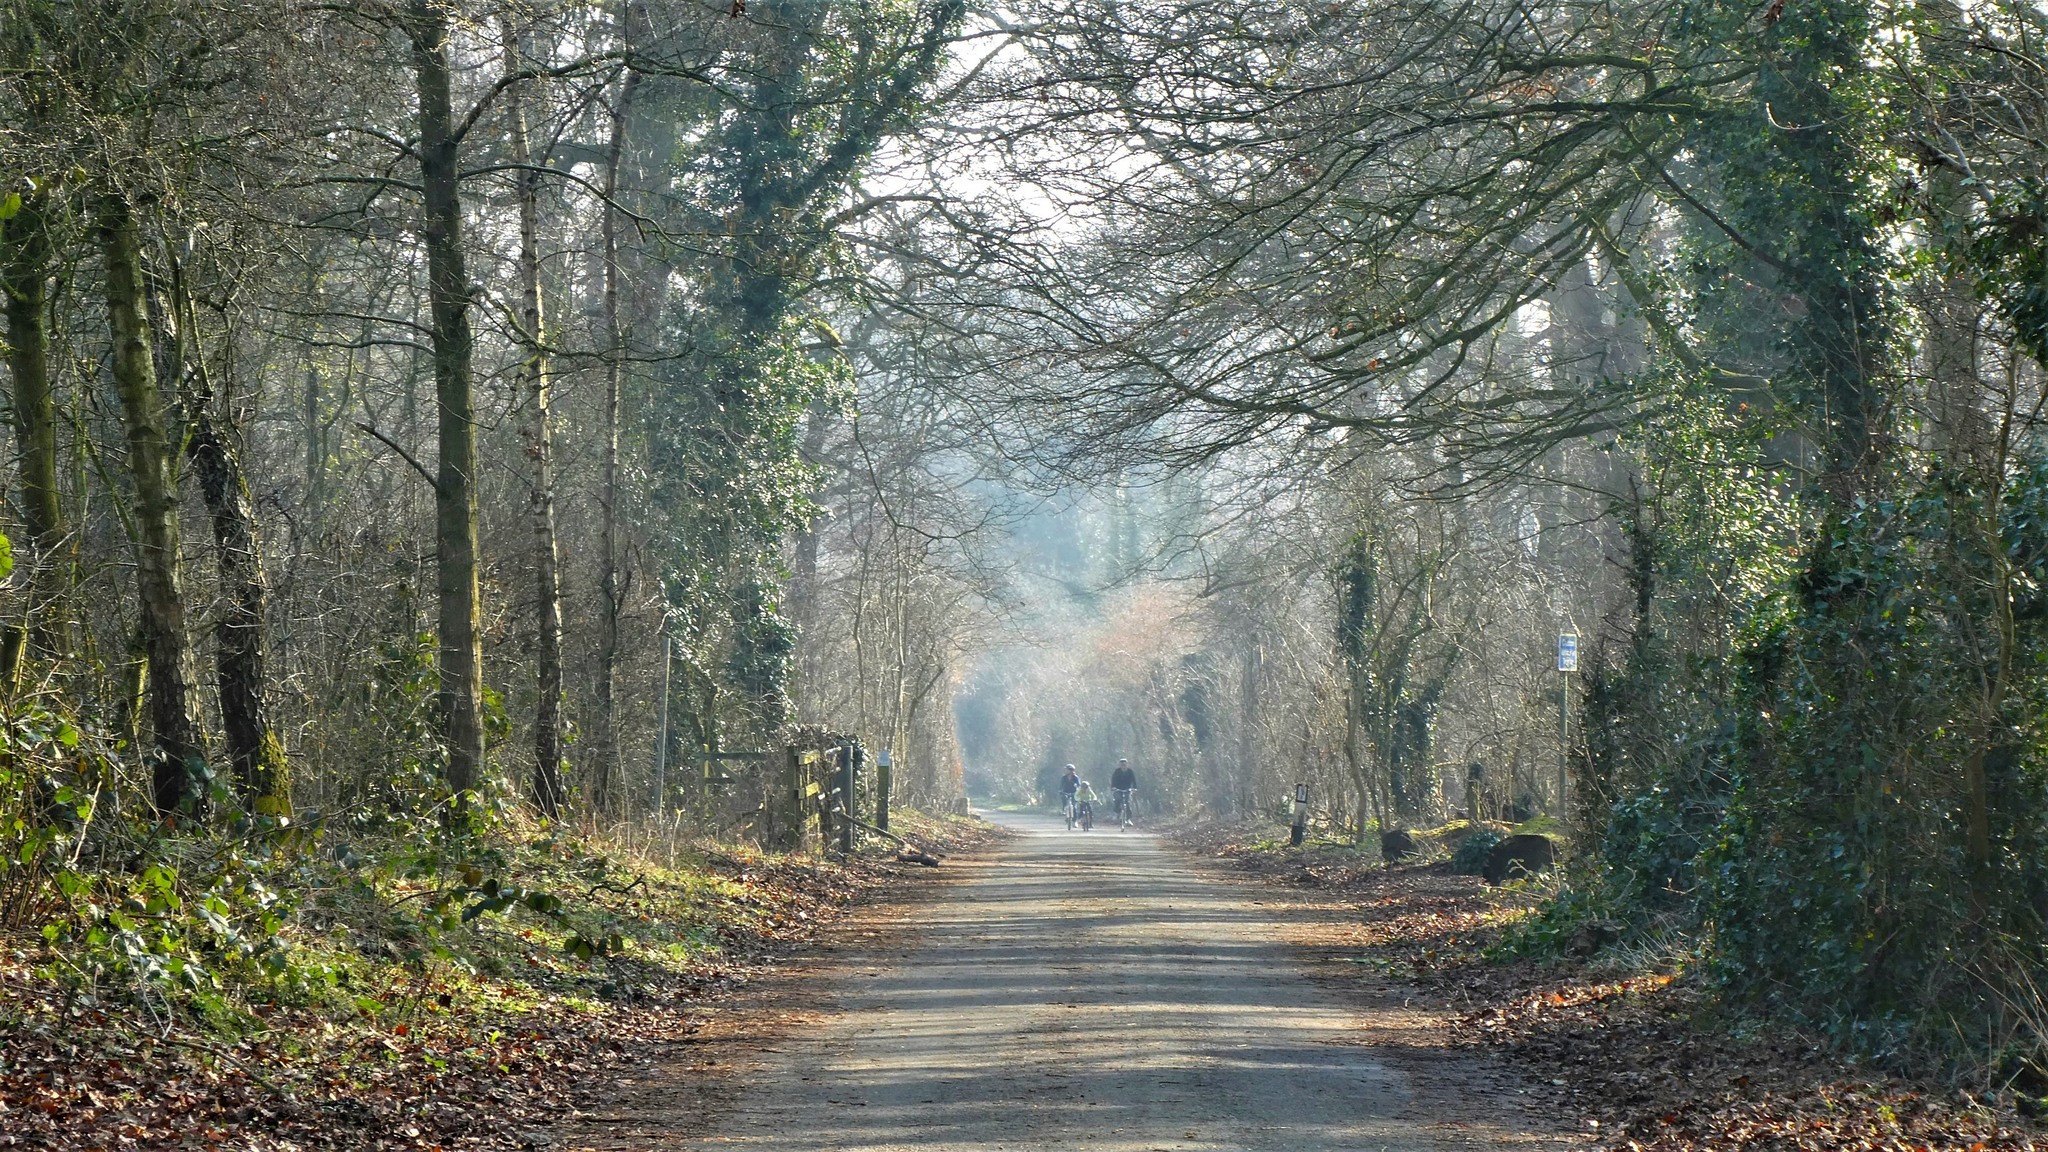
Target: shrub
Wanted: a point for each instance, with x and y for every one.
(1470, 858)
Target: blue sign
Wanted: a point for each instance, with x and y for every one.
(1568, 652)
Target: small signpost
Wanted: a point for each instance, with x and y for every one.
(1567, 663)
(1300, 830)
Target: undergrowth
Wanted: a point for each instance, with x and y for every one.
(378, 978)
(371, 913)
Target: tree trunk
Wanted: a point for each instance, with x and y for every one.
(1964, 430)
(178, 758)
(25, 279)
(262, 774)
(1247, 774)
(455, 503)
(609, 591)
(918, 776)
(535, 375)
(809, 686)
(1369, 806)
(316, 437)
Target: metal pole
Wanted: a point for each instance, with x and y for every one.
(1564, 744)
(1567, 663)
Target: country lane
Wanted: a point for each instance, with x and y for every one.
(1095, 992)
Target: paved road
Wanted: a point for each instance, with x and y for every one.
(1091, 992)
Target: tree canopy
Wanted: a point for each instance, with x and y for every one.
(440, 416)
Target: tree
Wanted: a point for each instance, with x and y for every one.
(262, 775)
(535, 373)
(25, 274)
(817, 89)
(460, 695)
(179, 772)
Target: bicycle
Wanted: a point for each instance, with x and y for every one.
(1072, 811)
(1125, 816)
(1084, 815)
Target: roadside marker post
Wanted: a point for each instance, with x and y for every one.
(884, 769)
(1567, 663)
(1300, 830)
(849, 781)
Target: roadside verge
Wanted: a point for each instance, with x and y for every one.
(1625, 1045)
(392, 1028)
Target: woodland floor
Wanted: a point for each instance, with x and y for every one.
(1627, 1051)
(438, 1059)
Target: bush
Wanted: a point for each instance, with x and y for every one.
(1470, 858)
(1839, 776)
(1879, 873)
(51, 777)
(1577, 921)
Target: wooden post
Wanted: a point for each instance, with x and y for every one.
(780, 777)
(847, 795)
(883, 771)
(1299, 832)
(789, 803)
(815, 785)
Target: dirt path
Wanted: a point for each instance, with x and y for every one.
(1084, 991)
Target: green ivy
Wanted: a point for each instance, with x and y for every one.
(1880, 871)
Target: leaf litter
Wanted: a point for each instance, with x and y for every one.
(1640, 1054)
(443, 1061)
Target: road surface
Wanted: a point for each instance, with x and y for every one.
(1094, 993)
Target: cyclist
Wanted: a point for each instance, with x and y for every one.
(1069, 784)
(1123, 788)
(1084, 805)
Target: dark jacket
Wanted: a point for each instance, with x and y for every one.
(1123, 778)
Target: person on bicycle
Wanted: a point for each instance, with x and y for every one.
(1084, 805)
(1123, 785)
(1069, 784)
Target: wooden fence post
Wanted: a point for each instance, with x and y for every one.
(815, 785)
(882, 775)
(848, 795)
(783, 813)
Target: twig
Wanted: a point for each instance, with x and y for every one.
(388, 442)
(251, 1071)
(602, 886)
